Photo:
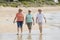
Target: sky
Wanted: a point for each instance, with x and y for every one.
(56, 1)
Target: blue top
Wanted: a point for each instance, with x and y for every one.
(29, 18)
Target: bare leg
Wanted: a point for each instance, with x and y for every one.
(29, 27)
(17, 30)
(40, 36)
(40, 28)
(29, 30)
(21, 30)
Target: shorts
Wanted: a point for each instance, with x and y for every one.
(29, 25)
(39, 22)
(19, 24)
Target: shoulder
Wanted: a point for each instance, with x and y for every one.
(43, 15)
(16, 13)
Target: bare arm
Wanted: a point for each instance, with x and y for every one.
(25, 20)
(33, 20)
(36, 19)
(14, 20)
(45, 19)
(23, 17)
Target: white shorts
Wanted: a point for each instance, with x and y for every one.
(40, 23)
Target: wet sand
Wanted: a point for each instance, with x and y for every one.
(48, 34)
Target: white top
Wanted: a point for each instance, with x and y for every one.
(40, 18)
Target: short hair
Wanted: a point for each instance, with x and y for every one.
(20, 10)
(29, 10)
(39, 10)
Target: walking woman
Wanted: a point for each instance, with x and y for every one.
(20, 19)
(39, 19)
(29, 20)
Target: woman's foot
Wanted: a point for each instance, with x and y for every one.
(17, 33)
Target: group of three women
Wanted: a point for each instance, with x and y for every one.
(29, 20)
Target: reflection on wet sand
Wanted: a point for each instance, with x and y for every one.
(29, 37)
(40, 38)
(24, 37)
(19, 37)
(48, 34)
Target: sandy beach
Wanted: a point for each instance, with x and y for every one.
(51, 30)
(7, 15)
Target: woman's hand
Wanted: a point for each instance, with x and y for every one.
(45, 21)
(33, 23)
(13, 21)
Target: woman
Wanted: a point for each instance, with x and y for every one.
(20, 20)
(39, 19)
(29, 20)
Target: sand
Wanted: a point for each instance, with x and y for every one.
(7, 15)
